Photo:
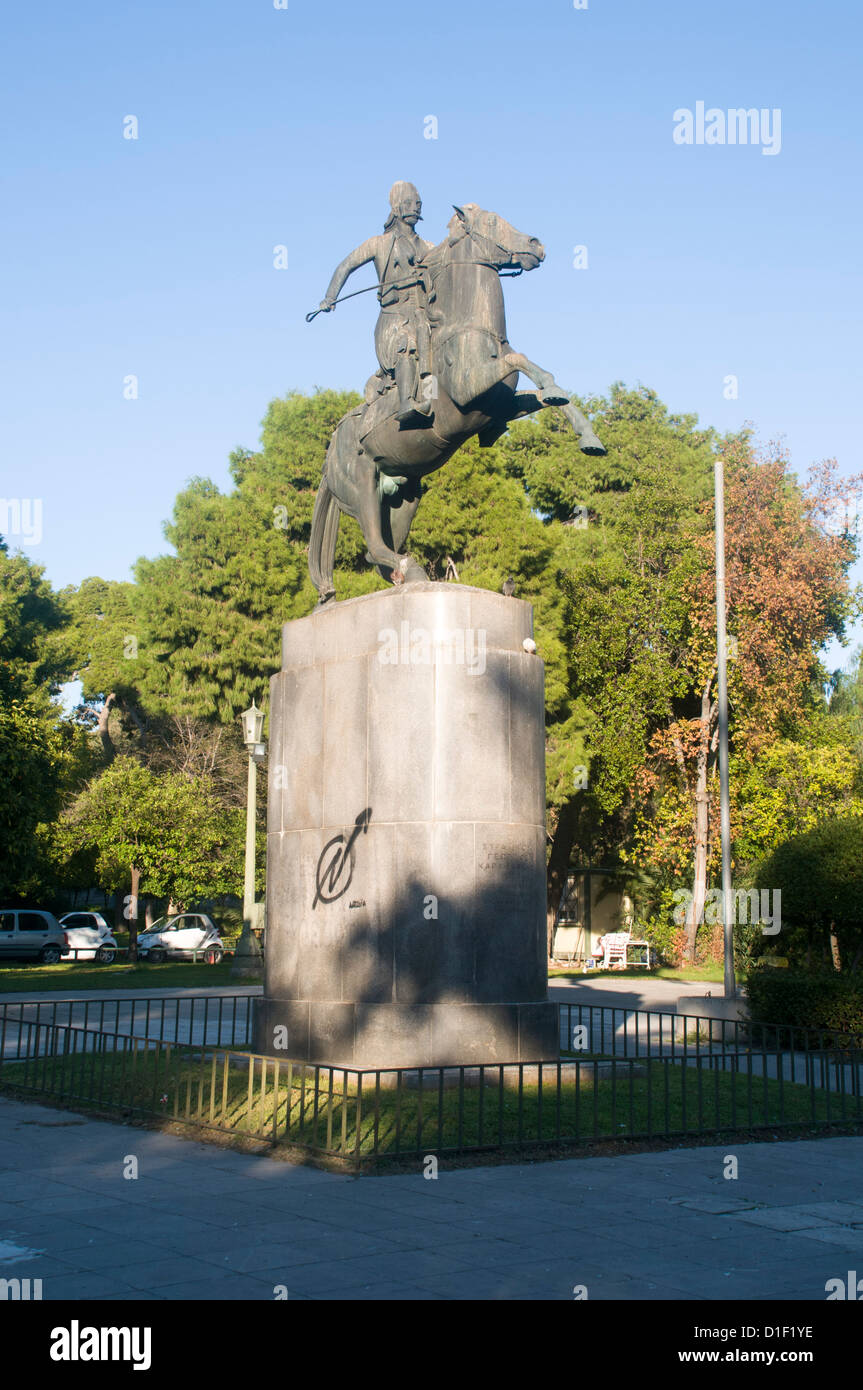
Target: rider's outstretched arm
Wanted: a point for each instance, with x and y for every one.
(361, 256)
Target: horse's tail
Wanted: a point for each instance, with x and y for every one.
(322, 541)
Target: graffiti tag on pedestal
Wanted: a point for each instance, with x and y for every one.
(336, 862)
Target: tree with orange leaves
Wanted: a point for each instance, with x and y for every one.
(787, 565)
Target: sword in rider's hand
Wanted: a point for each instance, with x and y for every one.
(327, 308)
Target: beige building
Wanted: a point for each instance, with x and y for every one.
(591, 907)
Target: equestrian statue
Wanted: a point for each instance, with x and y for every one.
(446, 373)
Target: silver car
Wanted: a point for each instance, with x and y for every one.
(29, 932)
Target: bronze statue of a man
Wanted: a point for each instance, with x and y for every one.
(402, 329)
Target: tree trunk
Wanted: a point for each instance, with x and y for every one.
(133, 915)
(108, 748)
(558, 866)
(103, 729)
(137, 721)
(834, 947)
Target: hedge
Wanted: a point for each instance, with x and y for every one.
(831, 1002)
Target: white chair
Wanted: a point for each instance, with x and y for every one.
(615, 949)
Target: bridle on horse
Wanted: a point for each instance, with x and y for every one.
(488, 259)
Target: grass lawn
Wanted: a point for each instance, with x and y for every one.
(241, 1095)
(710, 974)
(70, 978)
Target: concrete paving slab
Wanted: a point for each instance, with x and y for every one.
(842, 1236)
(236, 1288)
(631, 1227)
(389, 1293)
(781, 1219)
(97, 1256)
(413, 1265)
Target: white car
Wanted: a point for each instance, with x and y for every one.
(189, 936)
(88, 937)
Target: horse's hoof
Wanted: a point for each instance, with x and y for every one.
(589, 444)
(415, 574)
(401, 571)
(553, 396)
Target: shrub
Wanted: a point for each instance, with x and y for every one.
(665, 937)
(820, 875)
(832, 1002)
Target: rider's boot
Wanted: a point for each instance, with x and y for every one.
(411, 408)
(414, 410)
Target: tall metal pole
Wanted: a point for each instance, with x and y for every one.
(247, 953)
(722, 681)
(249, 876)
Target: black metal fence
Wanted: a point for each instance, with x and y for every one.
(623, 1032)
(361, 1115)
(224, 1020)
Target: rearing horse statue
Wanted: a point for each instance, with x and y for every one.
(375, 463)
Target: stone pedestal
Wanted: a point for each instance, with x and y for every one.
(248, 959)
(715, 1006)
(406, 835)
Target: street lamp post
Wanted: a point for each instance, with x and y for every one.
(248, 953)
(722, 697)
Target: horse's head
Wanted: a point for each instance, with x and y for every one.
(501, 242)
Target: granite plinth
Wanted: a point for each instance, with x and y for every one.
(406, 835)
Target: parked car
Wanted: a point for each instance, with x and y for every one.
(179, 938)
(28, 932)
(88, 937)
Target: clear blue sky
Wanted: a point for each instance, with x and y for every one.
(260, 126)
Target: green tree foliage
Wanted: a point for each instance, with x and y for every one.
(101, 638)
(172, 830)
(786, 790)
(846, 704)
(820, 875)
(624, 571)
(33, 662)
(32, 758)
(39, 754)
(628, 627)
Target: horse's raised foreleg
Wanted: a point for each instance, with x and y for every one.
(528, 402)
(548, 390)
(588, 442)
(549, 393)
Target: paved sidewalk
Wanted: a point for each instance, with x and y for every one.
(203, 1222)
